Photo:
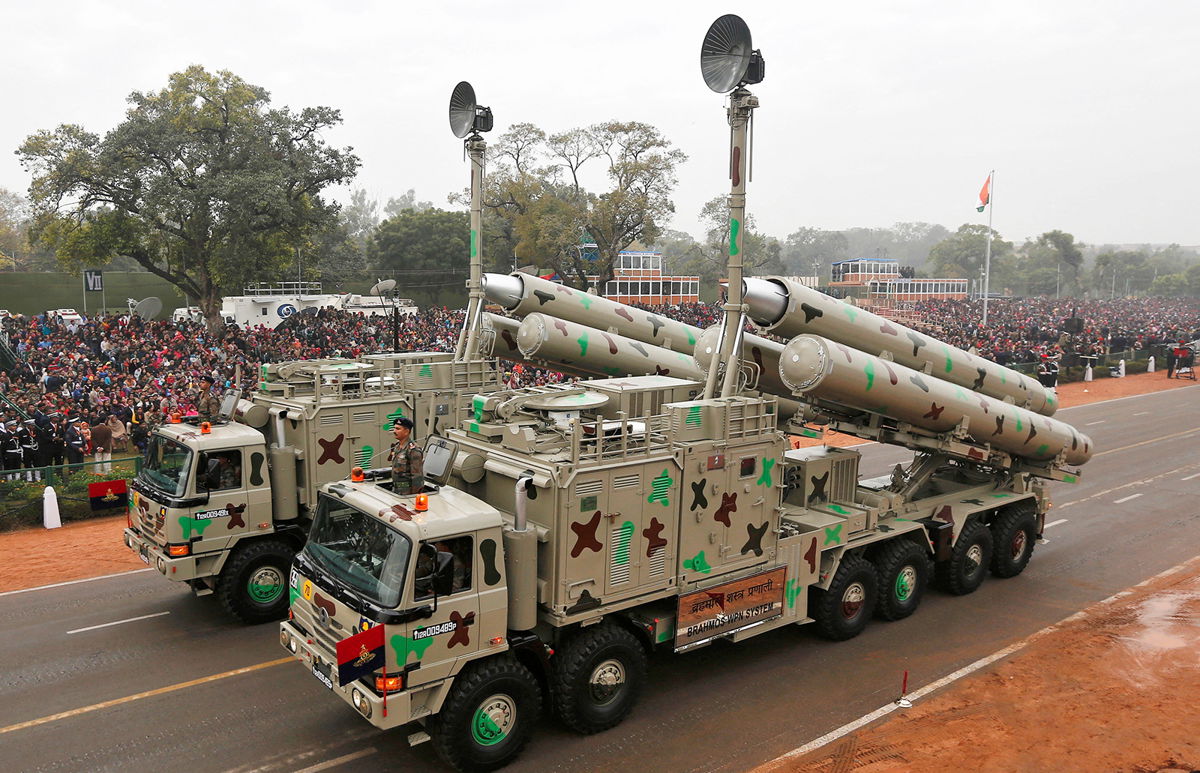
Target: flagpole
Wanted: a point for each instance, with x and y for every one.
(987, 256)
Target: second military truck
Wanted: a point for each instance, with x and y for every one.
(223, 506)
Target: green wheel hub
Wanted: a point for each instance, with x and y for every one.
(266, 585)
(493, 720)
(906, 583)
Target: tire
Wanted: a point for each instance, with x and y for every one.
(843, 611)
(903, 567)
(597, 678)
(488, 716)
(254, 583)
(967, 567)
(1015, 534)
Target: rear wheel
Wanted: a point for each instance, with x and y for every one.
(488, 716)
(843, 611)
(253, 584)
(903, 568)
(1014, 533)
(967, 567)
(598, 676)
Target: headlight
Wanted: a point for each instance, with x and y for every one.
(361, 703)
(285, 639)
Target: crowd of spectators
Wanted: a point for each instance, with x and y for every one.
(129, 374)
(1024, 330)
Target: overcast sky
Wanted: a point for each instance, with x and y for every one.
(871, 112)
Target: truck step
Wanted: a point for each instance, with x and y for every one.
(418, 737)
(202, 590)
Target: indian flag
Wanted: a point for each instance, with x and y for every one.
(985, 194)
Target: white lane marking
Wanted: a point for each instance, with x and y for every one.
(1141, 413)
(978, 664)
(1197, 475)
(1129, 397)
(1108, 491)
(119, 622)
(1125, 499)
(1055, 523)
(333, 763)
(73, 582)
(1094, 423)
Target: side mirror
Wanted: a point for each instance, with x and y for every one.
(425, 582)
(443, 579)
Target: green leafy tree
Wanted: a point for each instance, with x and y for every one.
(761, 255)
(809, 251)
(961, 255)
(535, 182)
(203, 184)
(398, 204)
(1060, 248)
(426, 250)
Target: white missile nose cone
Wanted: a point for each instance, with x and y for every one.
(503, 289)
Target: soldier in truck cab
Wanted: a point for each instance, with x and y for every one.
(407, 458)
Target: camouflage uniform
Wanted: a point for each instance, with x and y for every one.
(408, 463)
(207, 406)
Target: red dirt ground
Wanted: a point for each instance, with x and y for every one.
(1113, 689)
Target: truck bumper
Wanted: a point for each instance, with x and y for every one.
(180, 569)
(322, 665)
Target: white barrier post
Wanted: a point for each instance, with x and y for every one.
(50, 517)
(1150, 364)
(1121, 368)
(1087, 373)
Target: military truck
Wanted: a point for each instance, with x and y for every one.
(585, 525)
(223, 506)
(570, 530)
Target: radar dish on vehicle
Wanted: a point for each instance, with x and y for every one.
(147, 308)
(466, 116)
(727, 53)
(383, 286)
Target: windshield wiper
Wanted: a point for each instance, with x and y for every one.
(308, 563)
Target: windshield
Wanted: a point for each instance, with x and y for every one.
(166, 465)
(360, 551)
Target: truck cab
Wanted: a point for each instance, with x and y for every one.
(394, 594)
(201, 489)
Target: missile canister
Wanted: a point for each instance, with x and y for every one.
(504, 333)
(557, 341)
(815, 367)
(763, 352)
(524, 294)
(787, 308)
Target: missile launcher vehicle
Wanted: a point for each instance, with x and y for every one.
(223, 506)
(568, 531)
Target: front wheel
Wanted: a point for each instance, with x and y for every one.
(968, 564)
(842, 612)
(253, 585)
(1015, 533)
(598, 676)
(488, 717)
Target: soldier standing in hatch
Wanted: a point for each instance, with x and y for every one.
(207, 405)
(407, 458)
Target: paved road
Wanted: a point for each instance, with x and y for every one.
(722, 708)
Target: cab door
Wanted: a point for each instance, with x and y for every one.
(428, 648)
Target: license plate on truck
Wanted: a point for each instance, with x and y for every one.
(321, 672)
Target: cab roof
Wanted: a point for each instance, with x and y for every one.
(450, 511)
(227, 435)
